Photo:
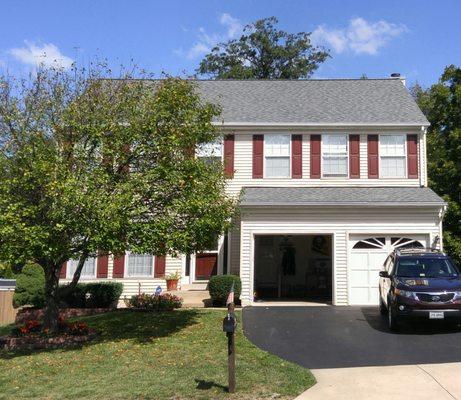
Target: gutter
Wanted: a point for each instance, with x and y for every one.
(317, 124)
(333, 204)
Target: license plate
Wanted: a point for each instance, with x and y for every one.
(436, 315)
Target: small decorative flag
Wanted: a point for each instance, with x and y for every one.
(230, 297)
(158, 291)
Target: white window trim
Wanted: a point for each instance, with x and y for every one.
(265, 155)
(221, 142)
(322, 164)
(83, 277)
(405, 156)
(126, 264)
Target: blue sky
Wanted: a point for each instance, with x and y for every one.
(416, 38)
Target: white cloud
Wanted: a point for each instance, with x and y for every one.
(359, 37)
(206, 41)
(47, 55)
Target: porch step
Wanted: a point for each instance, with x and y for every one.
(193, 298)
(195, 286)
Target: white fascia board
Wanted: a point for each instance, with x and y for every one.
(349, 204)
(316, 124)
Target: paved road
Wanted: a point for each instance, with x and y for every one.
(338, 337)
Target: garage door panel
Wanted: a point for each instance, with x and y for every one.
(366, 261)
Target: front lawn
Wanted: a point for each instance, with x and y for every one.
(178, 355)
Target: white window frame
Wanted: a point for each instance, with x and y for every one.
(405, 157)
(70, 275)
(127, 264)
(208, 150)
(265, 156)
(322, 155)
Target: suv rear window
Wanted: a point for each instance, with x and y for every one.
(422, 267)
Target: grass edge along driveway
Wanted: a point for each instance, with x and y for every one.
(177, 355)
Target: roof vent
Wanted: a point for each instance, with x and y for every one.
(395, 75)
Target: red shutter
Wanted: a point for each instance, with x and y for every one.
(373, 153)
(258, 154)
(354, 156)
(229, 156)
(119, 266)
(315, 156)
(159, 267)
(296, 156)
(412, 156)
(102, 265)
(62, 273)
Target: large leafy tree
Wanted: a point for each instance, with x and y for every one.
(264, 52)
(442, 105)
(89, 164)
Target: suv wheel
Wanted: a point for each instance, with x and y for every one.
(382, 307)
(392, 320)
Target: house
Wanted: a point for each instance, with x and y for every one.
(332, 176)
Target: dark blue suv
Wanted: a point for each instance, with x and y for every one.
(422, 283)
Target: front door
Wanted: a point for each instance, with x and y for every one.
(206, 265)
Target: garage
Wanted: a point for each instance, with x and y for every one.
(293, 267)
(367, 255)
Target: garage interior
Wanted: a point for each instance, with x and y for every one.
(293, 267)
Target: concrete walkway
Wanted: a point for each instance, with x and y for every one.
(422, 382)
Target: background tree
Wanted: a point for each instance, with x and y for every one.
(89, 164)
(264, 52)
(441, 104)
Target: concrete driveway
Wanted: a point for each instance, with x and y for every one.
(353, 355)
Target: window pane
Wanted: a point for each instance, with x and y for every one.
(88, 270)
(393, 167)
(277, 167)
(139, 264)
(334, 144)
(334, 166)
(213, 149)
(392, 145)
(277, 145)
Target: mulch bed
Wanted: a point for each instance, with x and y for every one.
(39, 342)
(27, 314)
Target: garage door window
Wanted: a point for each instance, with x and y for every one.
(405, 243)
(371, 243)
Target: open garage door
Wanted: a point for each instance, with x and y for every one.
(367, 256)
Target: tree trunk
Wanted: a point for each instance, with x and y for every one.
(51, 316)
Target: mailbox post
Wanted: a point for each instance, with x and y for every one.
(229, 325)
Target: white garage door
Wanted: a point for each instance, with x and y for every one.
(367, 255)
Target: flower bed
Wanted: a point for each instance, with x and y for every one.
(154, 302)
(27, 314)
(32, 335)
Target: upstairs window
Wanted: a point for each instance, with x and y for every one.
(88, 270)
(211, 152)
(392, 156)
(277, 156)
(140, 265)
(334, 156)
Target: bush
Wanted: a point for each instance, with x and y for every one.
(30, 287)
(155, 302)
(220, 285)
(93, 295)
(6, 272)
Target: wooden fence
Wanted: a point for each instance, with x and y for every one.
(7, 312)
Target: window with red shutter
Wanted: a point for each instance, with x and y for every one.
(258, 155)
(296, 156)
(412, 156)
(373, 154)
(159, 267)
(63, 272)
(354, 156)
(102, 265)
(119, 266)
(315, 156)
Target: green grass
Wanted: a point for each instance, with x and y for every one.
(178, 355)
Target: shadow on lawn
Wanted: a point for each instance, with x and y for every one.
(141, 327)
(207, 385)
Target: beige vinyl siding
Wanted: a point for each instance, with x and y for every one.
(243, 164)
(340, 222)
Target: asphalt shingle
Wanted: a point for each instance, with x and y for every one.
(274, 196)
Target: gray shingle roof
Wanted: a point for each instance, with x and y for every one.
(318, 196)
(336, 101)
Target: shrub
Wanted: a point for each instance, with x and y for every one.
(155, 302)
(220, 285)
(30, 287)
(94, 295)
(35, 328)
(6, 272)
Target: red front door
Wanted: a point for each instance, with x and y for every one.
(206, 265)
